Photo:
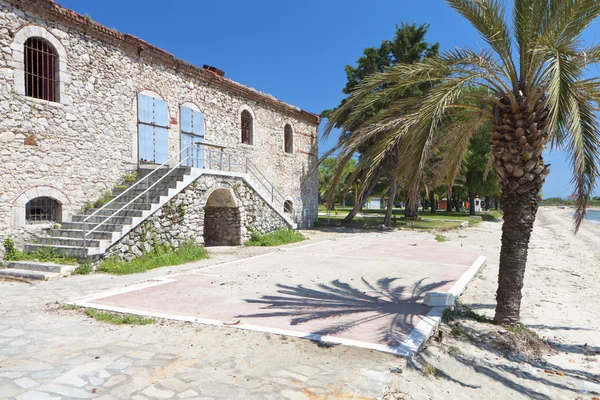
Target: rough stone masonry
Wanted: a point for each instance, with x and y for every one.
(73, 148)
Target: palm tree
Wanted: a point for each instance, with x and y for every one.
(535, 93)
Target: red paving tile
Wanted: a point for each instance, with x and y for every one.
(367, 288)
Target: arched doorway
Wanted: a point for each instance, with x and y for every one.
(222, 220)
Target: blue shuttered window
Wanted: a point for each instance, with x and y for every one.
(192, 133)
(153, 133)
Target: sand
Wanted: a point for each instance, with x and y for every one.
(560, 304)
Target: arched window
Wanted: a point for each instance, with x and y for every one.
(288, 139)
(41, 63)
(288, 206)
(42, 209)
(247, 127)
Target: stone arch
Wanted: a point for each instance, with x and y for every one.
(35, 31)
(20, 203)
(222, 217)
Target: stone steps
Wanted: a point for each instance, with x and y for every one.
(29, 275)
(78, 234)
(69, 242)
(71, 251)
(39, 266)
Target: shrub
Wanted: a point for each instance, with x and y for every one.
(275, 238)
(159, 257)
(10, 251)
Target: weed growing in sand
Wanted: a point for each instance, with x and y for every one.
(441, 238)
(430, 370)
(457, 330)
(118, 319)
(520, 329)
(70, 307)
(454, 351)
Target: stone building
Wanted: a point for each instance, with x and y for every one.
(84, 106)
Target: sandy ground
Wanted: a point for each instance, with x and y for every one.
(560, 304)
(47, 350)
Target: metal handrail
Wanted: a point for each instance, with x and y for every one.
(249, 166)
(166, 163)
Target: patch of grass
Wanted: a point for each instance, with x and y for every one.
(85, 268)
(70, 307)
(430, 370)
(159, 257)
(520, 329)
(477, 317)
(448, 315)
(118, 319)
(120, 187)
(275, 238)
(441, 238)
(45, 254)
(454, 351)
(457, 330)
(130, 178)
(105, 198)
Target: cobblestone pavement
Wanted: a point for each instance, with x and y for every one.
(51, 353)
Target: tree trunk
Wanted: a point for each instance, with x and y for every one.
(496, 203)
(519, 215)
(433, 206)
(518, 141)
(471, 203)
(457, 204)
(487, 203)
(449, 198)
(390, 205)
(411, 211)
(362, 198)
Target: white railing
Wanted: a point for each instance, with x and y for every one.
(203, 155)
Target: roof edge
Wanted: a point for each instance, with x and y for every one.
(140, 48)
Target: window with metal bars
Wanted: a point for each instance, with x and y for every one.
(247, 127)
(288, 206)
(42, 209)
(41, 61)
(288, 139)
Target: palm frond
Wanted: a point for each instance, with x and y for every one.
(488, 17)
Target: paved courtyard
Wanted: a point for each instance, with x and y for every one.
(361, 290)
(345, 289)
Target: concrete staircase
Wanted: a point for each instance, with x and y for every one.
(103, 227)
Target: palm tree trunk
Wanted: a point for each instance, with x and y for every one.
(487, 203)
(391, 199)
(518, 142)
(362, 198)
(411, 211)
(449, 198)
(519, 215)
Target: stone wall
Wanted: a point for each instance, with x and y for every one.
(82, 145)
(184, 218)
(222, 226)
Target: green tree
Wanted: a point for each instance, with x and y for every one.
(536, 93)
(408, 46)
(327, 169)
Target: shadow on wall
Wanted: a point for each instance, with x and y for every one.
(392, 307)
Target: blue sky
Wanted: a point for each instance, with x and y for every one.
(293, 50)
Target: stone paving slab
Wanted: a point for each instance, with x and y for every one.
(365, 291)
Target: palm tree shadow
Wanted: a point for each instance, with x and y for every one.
(390, 307)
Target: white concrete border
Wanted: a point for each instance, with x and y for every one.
(409, 347)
